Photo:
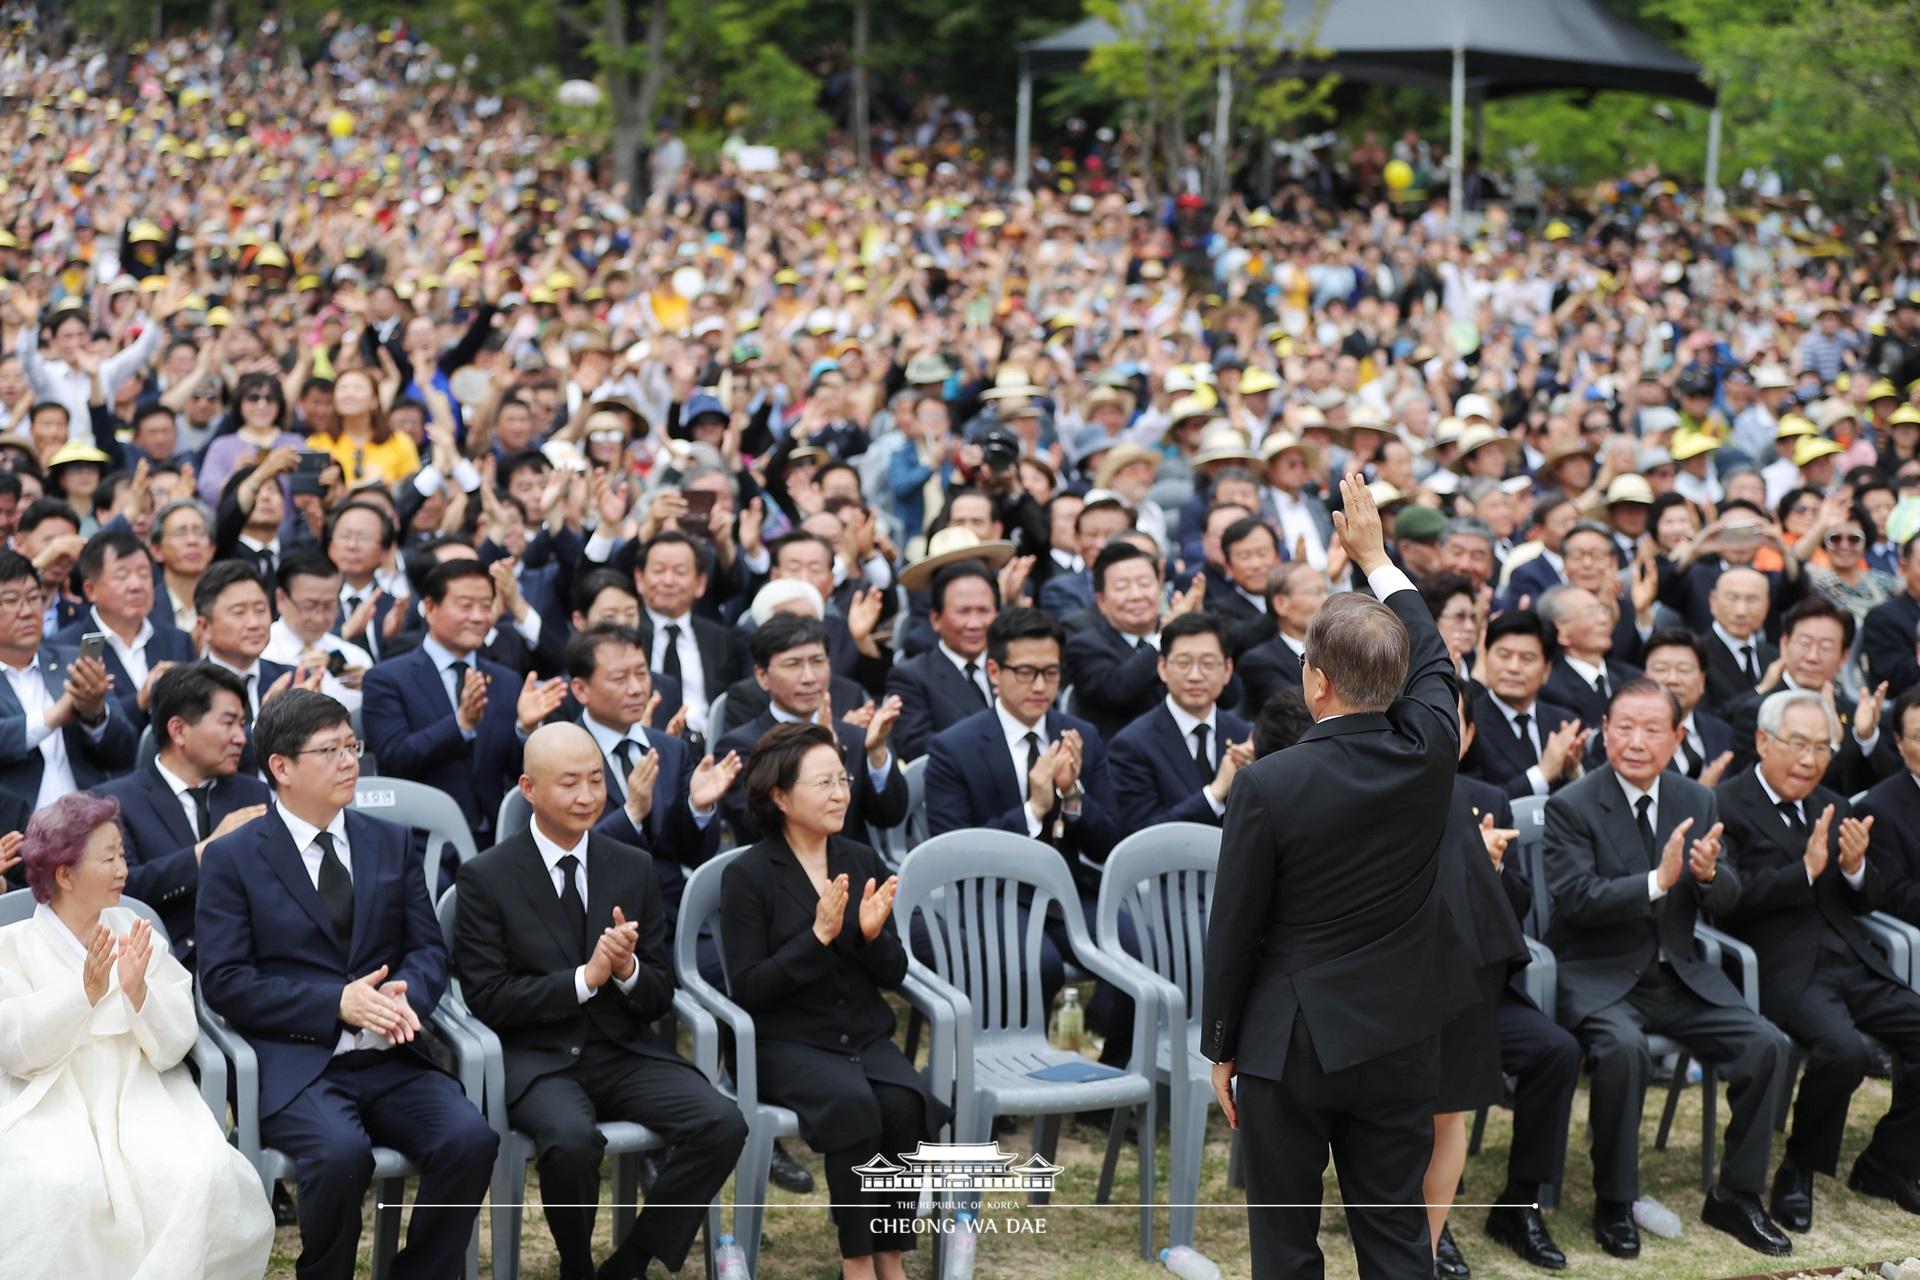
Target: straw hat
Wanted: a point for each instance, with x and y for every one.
(1118, 459)
(1284, 441)
(1011, 381)
(951, 546)
(1223, 443)
(1628, 489)
(1478, 437)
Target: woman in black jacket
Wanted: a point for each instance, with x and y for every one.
(809, 943)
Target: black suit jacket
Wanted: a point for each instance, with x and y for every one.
(671, 836)
(1497, 755)
(1727, 683)
(1566, 688)
(1894, 805)
(1264, 670)
(162, 870)
(1852, 770)
(723, 653)
(1369, 961)
(1115, 682)
(1606, 931)
(515, 956)
(934, 696)
(411, 725)
(1483, 914)
(1247, 624)
(1689, 590)
(167, 644)
(879, 806)
(1155, 778)
(1887, 638)
(1785, 917)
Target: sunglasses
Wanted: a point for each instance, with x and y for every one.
(1845, 539)
(260, 397)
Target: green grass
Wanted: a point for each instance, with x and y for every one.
(1100, 1244)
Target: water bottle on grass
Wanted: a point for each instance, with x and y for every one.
(1189, 1264)
(960, 1249)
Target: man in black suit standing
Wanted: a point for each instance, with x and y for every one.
(1805, 883)
(1895, 806)
(1524, 745)
(1583, 676)
(190, 795)
(1328, 980)
(1738, 654)
(1113, 663)
(1677, 662)
(1633, 858)
(1177, 763)
(560, 946)
(943, 686)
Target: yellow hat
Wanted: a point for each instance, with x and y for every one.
(76, 451)
(786, 275)
(1882, 390)
(1260, 218)
(7, 240)
(145, 232)
(272, 256)
(539, 294)
(1793, 426)
(1905, 416)
(153, 284)
(1812, 449)
(219, 318)
(1558, 230)
(307, 282)
(558, 280)
(1256, 381)
(993, 218)
(79, 165)
(1691, 444)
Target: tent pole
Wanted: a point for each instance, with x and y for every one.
(1713, 156)
(1456, 158)
(1479, 108)
(1222, 114)
(1023, 127)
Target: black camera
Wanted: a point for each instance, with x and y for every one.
(999, 450)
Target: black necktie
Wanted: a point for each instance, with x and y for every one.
(459, 670)
(1522, 725)
(972, 673)
(202, 809)
(1751, 661)
(1694, 759)
(336, 888)
(253, 705)
(1644, 820)
(1200, 758)
(571, 904)
(624, 754)
(1795, 822)
(1600, 684)
(1033, 752)
(670, 657)
(353, 602)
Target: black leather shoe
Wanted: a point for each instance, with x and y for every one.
(1870, 1177)
(1792, 1201)
(1738, 1213)
(1523, 1229)
(1447, 1262)
(789, 1174)
(283, 1210)
(1613, 1228)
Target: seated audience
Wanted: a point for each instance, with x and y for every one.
(1177, 762)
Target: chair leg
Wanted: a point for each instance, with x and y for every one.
(1149, 1137)
(1116, 1138)
(1187, 1135)
(391, 1194)
(506, 1245)
(1709, 1125)
(626, 1193)
(1046, 1142)
(1479, 1131)
(750, 1190)
(1674, 1088)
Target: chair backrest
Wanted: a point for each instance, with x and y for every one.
(515, 815)
(966, 886)
(19, 904)
(1530, 820)
(148, 751)
(447, 911)
(368, 764)
(892, 843)
(699, 909)
(425, 809)
(1163, 877)
(717, 725)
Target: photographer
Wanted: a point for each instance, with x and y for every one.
(993, 467)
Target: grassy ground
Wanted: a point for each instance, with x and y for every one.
(1101, 1244)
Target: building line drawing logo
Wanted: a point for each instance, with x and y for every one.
(957, 1166)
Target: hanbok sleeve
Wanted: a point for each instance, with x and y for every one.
(39, 1029)
(164, 1026)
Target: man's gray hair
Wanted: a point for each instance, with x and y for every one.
(1474, 488)
(1470, 527)
(1773, 711)
(1552, 606)
(178, 504)
(1362, 648)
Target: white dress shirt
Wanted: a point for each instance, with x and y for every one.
(1738, 648)
(1774, 798)
(1016, 735)
(133, 657)
(182, 794)
(286, 648)
(251, 674)
(1297, 522)
(1536, 779)
(303, 833)
(693, 676)
(36, 700)
(443, 660)
(183, 615)
(1186, 724)
(1585, 670)
(608, 739)
(1258, 602)
(1633, 794)
(551, 851)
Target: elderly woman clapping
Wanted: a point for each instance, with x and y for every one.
(110, 1164)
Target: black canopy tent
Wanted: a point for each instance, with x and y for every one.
(1486, 48)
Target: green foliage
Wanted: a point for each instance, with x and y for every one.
(1573, 137)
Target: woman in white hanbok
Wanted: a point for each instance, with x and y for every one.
(110, 1163)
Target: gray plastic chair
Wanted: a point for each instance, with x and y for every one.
(1530, 820)
(423, 808)
(892, 843)
(717, 725)
(700, 909)
(966, 884)
(1901, 941)
(148, 749)
(390, 1169)
(515, 815)
(203, 1053)
(626, 1142)
(1164, 878)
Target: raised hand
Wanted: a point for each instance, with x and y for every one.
(1496, 839)
(1711, 775)
(10, 850)
(1671, 857)
(623, 940)
(677, 726)
(711, 780)
(1817, 852)
(831, 913)
(1866, 716)
(1188, 601)
(876, 904)
(1855, 835)
(1232, 761)
(98, 966)
(1040, 786)
(538, 700)
(1358, 524)
(880, 727)
(87, 686)
(1703, 855)
(136, 949)
(646, 770)
(362, 616)
(363, 1005)
(1013, 578)
(228, 825)
(863, 615)
(1561, 756)
(473, 701)
(1066, 770)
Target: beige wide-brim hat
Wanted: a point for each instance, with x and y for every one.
(951, 546)
(1279, 442)
(1118, 459)
(1477, 437)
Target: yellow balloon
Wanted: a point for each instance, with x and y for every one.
(1399, 174)
(340, 124)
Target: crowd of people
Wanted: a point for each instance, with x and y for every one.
(341, 422)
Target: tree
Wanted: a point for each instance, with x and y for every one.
(1177, 62)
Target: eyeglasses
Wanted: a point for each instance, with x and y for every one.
(23, 602)
(1459, 617)
(828, 785)
(1805, 509)
(1032, 675)
(1592, 555)
(337, 753)
(1839, 539)
(206, 395)
(1808, 645)
(1805, 749)
(1186, 664)
(260, 397)
(356, 539)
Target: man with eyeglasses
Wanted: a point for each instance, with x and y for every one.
(59, 730)
(1894, 804)
(1676, 661)
(1887, 636)
(1815, 639)
(1177, 762)
(307, 599)
(790, 662)
(318, 945)
(1806, 882)
(1732, 541)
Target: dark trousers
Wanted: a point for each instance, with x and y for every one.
(703, 1130)
(1377, 1119)
(387, 1099)
(902, 1125)
(1843, 999)
(1544, 1060)
(1746, 1049)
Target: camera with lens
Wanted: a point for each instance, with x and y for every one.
(1000, 450)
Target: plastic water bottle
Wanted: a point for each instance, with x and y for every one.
(960, 1249)
(1069, 1022)
(1188, 1264)
(729, 1260)
(1653, 1216)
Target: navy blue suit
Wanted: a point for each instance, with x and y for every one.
(167, 644)
(934, 696)
(1689, 589)
(1155, 776)
(1064, 593)
(270, 673)
(162, 870)
(1895, 803)
(1248, 625)
(272, 965)
(1265, 670)
(1531, 580)
(93, 761)
(1497, 756)
(409, 722)
(1115, 680)
(671, 835)
(1887, 640)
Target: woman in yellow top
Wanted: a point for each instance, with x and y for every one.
(362, 441)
